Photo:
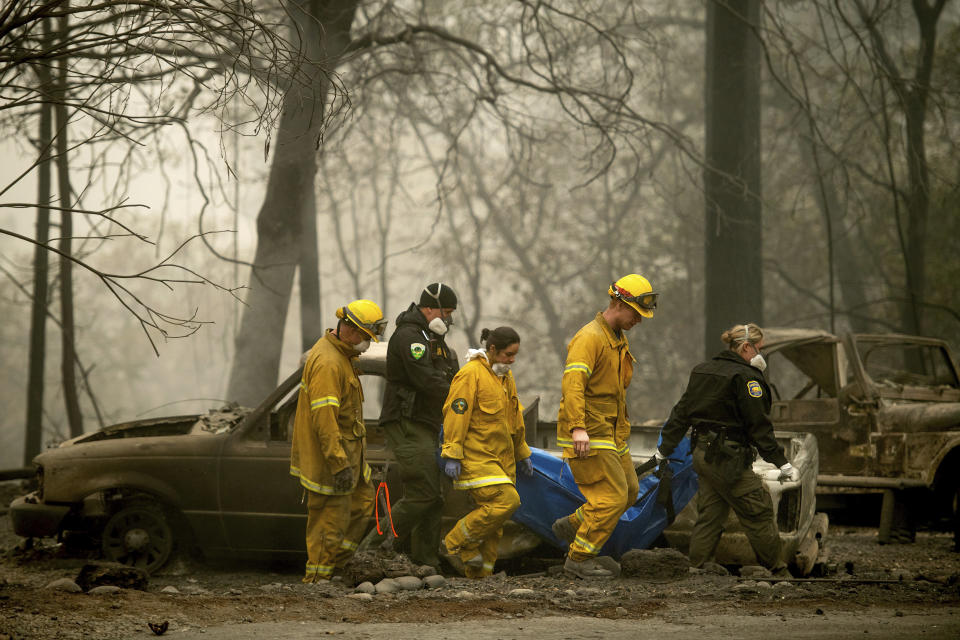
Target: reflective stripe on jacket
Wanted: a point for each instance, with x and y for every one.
(483, 426)
(328, 430)
(597, 373)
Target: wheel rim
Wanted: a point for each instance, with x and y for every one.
(139, 537)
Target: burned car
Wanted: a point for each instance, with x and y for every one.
(885, 409)
(220, 482)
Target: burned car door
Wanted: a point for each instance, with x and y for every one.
(260, 502)
(808, 379)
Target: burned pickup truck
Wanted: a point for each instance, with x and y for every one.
(885, 410)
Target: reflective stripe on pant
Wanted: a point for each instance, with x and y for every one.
(416, 515)
(335, 525)
(609, 484)
(749, 500)
(479, 531)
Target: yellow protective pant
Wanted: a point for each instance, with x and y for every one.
(335, 525)
(609, 484)
(479, 532)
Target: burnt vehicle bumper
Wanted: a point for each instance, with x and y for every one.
(34, 519)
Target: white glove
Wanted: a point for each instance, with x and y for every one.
(659, 456)
(789, 473)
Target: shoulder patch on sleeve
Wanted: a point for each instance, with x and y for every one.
(417, 349)
(459, 406)
(754, 389)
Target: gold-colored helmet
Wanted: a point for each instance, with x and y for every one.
(366, 316)
(636, 291)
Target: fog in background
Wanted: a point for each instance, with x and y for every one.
(437, 165)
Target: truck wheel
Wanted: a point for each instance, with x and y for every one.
(138, 535)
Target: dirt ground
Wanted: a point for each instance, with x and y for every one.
(886, 591)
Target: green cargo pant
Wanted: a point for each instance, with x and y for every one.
(416, 516)
(749, 500)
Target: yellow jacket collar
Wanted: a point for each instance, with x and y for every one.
(343, 347)
(612, 338)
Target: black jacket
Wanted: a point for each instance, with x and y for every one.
(726, 392)
(420, 367)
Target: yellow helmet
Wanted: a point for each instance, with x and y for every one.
(366, 316)
(636, 291)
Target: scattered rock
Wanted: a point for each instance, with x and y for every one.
(170, 589)
(104, 590)
(361, 596)
(368, 566)
(763, 584)
(463, 595)
(95, 574)
(715, 569)
(784, 585)
(522, 593)
(424, 571)
(755, 571)
(65, 584)
(555, 570)
(749, 585)
(434, 581)
(621, 611)
(366, 587)
(409, 583)
(387, 585)
(655, 564)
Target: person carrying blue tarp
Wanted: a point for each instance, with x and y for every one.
(727, 402)
(593, 428)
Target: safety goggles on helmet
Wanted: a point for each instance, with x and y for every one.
(647, 301)
(375, 329)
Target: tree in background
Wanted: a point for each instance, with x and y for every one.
(863, 86)
(518, 63)
(113, 73)
(733, 236)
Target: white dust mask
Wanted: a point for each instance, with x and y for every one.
(500, 368)
(362, 346)
(438, 326)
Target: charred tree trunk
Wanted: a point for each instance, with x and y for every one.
(33, 439)
(310, 320)
(914, 100)
(733, 238)
(68, 359)
(323, 31)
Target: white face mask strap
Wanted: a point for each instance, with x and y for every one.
(746, 333)
(435, 296)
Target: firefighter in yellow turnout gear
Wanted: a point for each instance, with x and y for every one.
(593, 426)
(329, 441)
(483, 443)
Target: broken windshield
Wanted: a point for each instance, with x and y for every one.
(907, 363)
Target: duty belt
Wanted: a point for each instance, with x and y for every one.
(707, 433)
